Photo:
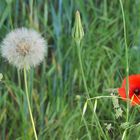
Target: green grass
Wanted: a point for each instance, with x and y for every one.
(56, 87)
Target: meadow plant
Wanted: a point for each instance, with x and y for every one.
(78, 34)
(24, 48)
(98, 60)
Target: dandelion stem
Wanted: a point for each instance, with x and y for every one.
(77, 34)
(81, 66)
(86, 89)
(127, 62)
(31, 13)
(28, 102)
(19, 78)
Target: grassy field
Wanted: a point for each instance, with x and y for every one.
(57, 93)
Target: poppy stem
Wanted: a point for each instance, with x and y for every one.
(127, 62)
(28, 102)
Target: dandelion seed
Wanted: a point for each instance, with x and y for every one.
(24, 48)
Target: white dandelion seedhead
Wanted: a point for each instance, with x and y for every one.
(24, 48)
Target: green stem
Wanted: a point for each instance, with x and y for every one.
(28, 102)
(19, 78)
(31, 13)
(127, 62)
(86, 89)
(82, 70)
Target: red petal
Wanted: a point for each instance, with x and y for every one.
(122, 92)
(135, 100)
(134, 82)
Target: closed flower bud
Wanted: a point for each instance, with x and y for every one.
(77, 31)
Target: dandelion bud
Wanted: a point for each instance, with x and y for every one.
(77, 31)
(24, 48)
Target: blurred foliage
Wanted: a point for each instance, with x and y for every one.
(57, 82)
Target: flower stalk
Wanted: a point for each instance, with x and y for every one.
(24, 48)
(28, 102)
(127, 62)
(78, 34)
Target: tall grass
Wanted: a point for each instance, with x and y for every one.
(56, 89)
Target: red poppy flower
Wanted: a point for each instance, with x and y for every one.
(134, 89)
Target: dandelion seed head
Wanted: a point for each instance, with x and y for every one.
(24, 47)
